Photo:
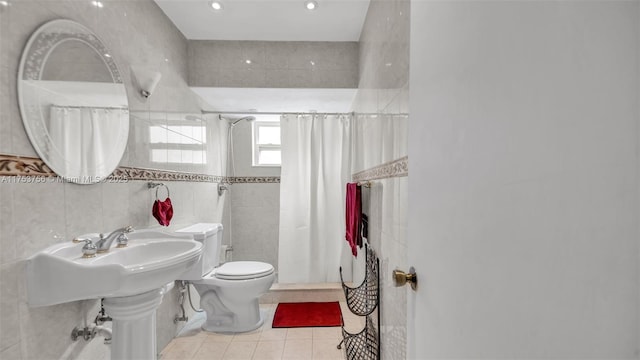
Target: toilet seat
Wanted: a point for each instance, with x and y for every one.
(242, 270)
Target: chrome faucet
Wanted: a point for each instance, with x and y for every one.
(104, 244)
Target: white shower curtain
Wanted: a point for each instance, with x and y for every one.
(315, 169)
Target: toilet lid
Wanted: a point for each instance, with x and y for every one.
(239, 270)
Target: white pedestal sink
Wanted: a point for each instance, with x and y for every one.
(134, 325)
(130, 279)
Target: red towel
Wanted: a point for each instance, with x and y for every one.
(354, 217)
(163, 211)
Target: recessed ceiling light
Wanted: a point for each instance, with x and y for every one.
(216, 5)
(97, 4)
(311, 5)
(248, 61)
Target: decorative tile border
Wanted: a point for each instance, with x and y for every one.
(395, 168)
(132, 173)
(14, 165)
(254, 180)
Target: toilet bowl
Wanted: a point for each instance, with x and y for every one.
(229, 293)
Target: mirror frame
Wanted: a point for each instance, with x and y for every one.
(40, 45)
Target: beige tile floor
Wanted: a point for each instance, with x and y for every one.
(264, 343)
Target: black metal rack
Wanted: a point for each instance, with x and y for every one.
(363, 300)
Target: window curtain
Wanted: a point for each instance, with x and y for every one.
(315, 169)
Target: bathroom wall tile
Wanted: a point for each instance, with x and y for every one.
(5, 128)
(38, 341)
(12, 352)
(9, 333)
(7, 242)
(255, 52)
(323, 78)
(115, 206)
(43, 214)
(36, 227)
(381, 137)
(205, 203)
(140, 204)
(229, 54)
(273, 64)
(93, 350)
(300, 78)
(226, 217)
(277, 78)
(166, 329)
(277, 55)
(260, 203)
(83, 209)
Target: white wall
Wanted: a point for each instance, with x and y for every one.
(524, 179)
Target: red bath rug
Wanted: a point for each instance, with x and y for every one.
(307, 314)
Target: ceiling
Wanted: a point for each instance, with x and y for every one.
(268, 20)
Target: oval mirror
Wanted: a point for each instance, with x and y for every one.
(73, 103)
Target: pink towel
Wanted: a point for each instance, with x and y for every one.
(354, 217)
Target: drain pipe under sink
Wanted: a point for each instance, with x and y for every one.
(182, 288)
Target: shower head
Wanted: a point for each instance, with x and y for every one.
(233, 121)
(248, 118)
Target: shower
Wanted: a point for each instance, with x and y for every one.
(233, 122)
(231, 169)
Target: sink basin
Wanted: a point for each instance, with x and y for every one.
(153, 258)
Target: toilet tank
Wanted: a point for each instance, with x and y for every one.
(210, 234)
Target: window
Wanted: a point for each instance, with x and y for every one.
(266, 141)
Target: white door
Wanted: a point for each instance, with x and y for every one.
(523, 186)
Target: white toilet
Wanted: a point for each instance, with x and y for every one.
(229, 293)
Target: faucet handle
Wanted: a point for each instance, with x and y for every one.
(122, 240)
(129, 229)
(93, 237)
(89, 249)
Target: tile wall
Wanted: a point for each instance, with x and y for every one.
(34, 216)
(274, 64)
(380, 136)
(254, 207)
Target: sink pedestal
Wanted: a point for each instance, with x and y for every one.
(134, 325)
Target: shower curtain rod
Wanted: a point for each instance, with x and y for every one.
(294, 113)
(90, 107)
(274, 113)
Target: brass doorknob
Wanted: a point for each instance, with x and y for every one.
(400, 278)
